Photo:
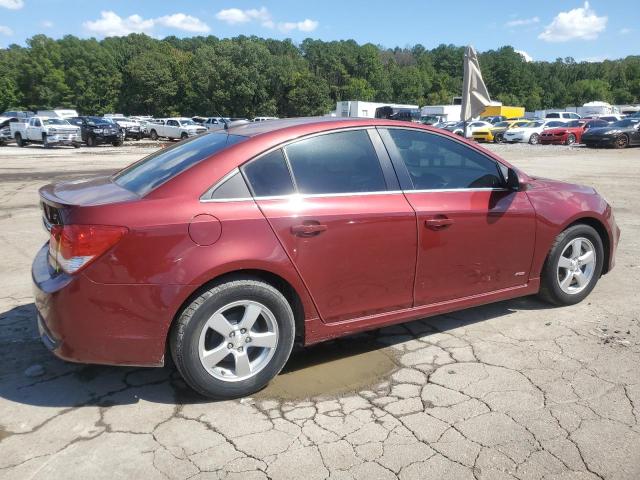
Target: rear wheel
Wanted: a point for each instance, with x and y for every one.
(621, 142)
(534, 139)
(233, 339)
(573, 266)
(571, 139)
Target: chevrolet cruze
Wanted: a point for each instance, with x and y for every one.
(225, 249)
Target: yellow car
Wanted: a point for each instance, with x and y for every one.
(495, 133)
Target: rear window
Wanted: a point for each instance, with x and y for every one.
(157, 168)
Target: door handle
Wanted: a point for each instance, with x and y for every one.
(439, 223)
(308, 229)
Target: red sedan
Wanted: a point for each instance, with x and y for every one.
(226, 248)
(571, 133)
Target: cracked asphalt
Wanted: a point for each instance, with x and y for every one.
(513, 390)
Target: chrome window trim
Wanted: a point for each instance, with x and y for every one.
(352, 194)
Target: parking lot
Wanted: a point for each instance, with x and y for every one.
(515, 389)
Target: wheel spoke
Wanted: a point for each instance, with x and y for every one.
(267, 339)
(211, 358)
(243, 367)
(564, 284)
(581, 278)
(251, 314)
(564, 262)
(587, 258)
(220, 324)
(576, 248)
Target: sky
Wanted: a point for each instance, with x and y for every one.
(540, 29)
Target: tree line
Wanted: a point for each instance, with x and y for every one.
(250, 76)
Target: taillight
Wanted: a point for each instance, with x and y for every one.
(73, 247)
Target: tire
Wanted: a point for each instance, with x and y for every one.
(571, 139)
(117, 143)
(534, 139)
(621, 142)
(19, 141)
(553, 274)
(91, 141)
(224, 378)
(184, 136)
(153, 135)
(498, 138)
(76, 145)
(45, 142)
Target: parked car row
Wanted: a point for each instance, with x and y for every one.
(558, 128)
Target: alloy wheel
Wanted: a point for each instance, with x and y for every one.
(576, 265)
(238, 341)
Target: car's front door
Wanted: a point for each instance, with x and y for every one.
(338, 212)
(475, 236)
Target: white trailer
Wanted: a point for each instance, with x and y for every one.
(357, 108)
(443, 113)
(597, 108)
(58, 113)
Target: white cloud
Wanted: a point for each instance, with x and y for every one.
(579, 23)
(5, 31)
(625, 31)
(111, 24)
(233, 16)
(46, 23)
(307, 25)
(236, 16)
(12, 4)
(521, 22)
(180, 21)
(525, 55)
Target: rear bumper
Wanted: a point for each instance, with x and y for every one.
(87, 322)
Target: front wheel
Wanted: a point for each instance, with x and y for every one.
(184, 136)
(498, 138)
(19, 141)
(117, 143)
(621, 142)
(233, 339)
(573, 266)
(91, 141)
(534, 139)
(154, 135)
(571, 139)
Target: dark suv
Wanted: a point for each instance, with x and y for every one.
(97, 130)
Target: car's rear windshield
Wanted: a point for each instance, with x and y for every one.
(157, 168)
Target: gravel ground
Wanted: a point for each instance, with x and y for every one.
(511, 390)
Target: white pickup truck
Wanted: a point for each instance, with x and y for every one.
(47, 131)
(175, 128)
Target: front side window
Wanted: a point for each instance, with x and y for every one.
(341, 162)
(157, 168)
(435, 162)
(269, 175)
(172, 123)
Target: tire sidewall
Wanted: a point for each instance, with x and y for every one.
(550, 271)
(185, 341)
(534, 139)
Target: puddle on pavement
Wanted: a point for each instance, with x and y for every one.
(332, 368)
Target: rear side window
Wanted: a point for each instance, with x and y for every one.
(157, 168)
(269, 175)
(233, 188)
(342, 162)
(435, 162)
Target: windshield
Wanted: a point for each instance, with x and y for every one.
(187, 122)
(502, 124)
(98, 121)
(556, 124)
(533, 125)
(574, 123)
(54, 121)
(627, 122)
(157, 168)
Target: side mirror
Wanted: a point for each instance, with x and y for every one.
(513, 182)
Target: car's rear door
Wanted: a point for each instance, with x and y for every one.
(475, 236)
(334, 203)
